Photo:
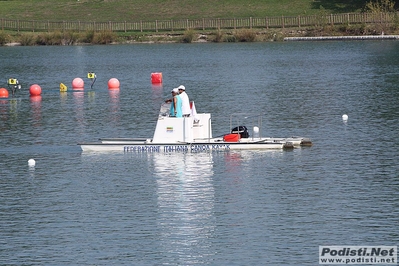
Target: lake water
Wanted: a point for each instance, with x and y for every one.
(211, 208)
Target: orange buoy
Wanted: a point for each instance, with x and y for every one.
(156, 78)
(35, 90)
(113, 84)
(78, 83)
(3, 93)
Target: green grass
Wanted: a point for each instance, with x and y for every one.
(128, 10)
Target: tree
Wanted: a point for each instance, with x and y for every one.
(379, 6)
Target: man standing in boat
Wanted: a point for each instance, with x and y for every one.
(185, 101)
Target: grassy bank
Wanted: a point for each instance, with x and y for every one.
(128, 10)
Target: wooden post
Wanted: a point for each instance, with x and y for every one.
(250, 22)
(267, 23)
(282, 21)
(156, 25)
(203, 24)
(299, 21)
(33, 26)
(141, 26)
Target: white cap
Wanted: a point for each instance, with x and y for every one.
(176, 90)
(181, 87)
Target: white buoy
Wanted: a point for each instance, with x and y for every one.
(345, 117)
(31, 162)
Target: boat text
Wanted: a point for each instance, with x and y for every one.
(176, 148)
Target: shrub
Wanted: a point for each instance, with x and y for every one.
(218, 36)
(245, 35)
(104, 37)
(27, 39)
(88, 36)
(49, 38)
(188, 36)
(3, 38)
(70, 37)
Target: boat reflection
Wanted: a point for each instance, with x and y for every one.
(186, 199)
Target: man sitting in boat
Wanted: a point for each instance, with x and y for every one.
(176, 104)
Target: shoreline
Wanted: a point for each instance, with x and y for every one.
(341, 38)
(211, 38)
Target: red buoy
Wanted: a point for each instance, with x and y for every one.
(3, 93)
(35, 90)
(113, 84)
(156, 78)
(78, 83)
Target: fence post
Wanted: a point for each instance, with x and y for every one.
(171, 24)
(218, 23)
(18, 25)
(282, 21)
(79, 26)
(141, 26)
(33, 26)
(299, 21)
(267, 23)
(203, 24)
(250, 22)
(125, 25)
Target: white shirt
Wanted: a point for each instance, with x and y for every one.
(185, 103)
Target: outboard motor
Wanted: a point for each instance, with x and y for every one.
(242, 130)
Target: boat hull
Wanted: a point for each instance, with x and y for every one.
(181, 147)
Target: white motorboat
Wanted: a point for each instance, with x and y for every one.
(194, 134)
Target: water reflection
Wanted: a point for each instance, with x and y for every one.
(114, 105)
(185, 203)
(78, 96)
(36, 106)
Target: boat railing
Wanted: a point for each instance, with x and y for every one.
(250, 121)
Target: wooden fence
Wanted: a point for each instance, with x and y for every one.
(199, 24)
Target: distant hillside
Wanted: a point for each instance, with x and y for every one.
(136, 10)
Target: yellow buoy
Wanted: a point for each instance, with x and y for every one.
(63, 87)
